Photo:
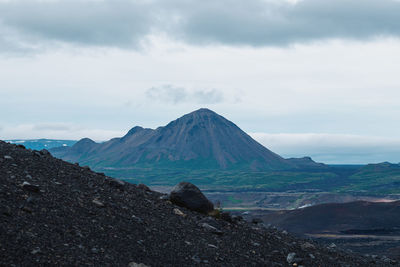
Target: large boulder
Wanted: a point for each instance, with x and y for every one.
(189, 196)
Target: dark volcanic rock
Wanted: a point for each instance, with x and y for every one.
(79, 218)
(227, 217)
(30, 187)
(256, 220)
(116, 183)
(143, 187)
(189, 196)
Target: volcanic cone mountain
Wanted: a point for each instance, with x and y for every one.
(198, 140)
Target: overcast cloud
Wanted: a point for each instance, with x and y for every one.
(38, 25)
(178, 95)
(94, 23)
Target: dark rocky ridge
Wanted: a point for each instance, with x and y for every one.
(339, 217)
(201, 140)
(73, 216)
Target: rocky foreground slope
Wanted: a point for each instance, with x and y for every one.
(56, 213)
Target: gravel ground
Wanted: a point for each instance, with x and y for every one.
(56, 213)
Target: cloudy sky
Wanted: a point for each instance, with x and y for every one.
(308, 77)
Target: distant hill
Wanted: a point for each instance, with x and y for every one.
(379, 167)
(306, 163)
(199, 140)
(378, 178)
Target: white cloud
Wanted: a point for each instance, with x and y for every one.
(178, 95)
(330, 87)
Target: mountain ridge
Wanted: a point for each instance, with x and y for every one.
(201, 139)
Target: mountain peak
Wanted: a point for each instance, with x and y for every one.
(85, 141)
(201, 113)
(204, 111)
(204, 118)
(134, 130)
(201, 139)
